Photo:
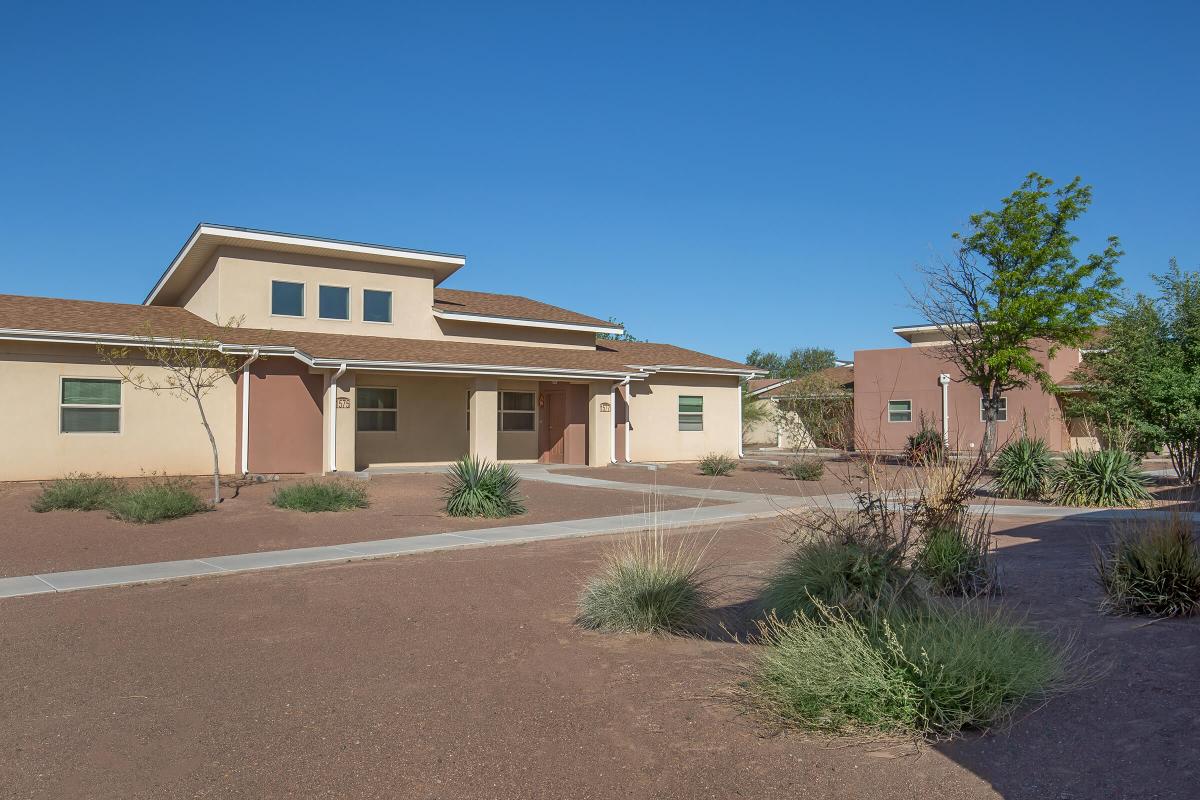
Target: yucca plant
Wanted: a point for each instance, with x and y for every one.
(1099, 478)
(649, 583)
(1023, 469)
(717, 465)
(1152, 567)
(480, 488)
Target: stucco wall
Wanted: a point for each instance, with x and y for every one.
(461, 331)
(286, 412)
(654, 414)
(159, 432)
(911, 373)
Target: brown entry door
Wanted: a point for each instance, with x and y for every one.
(553, 426)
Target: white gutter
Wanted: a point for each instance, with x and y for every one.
(944, 382)
(246, 411)
(332, 405)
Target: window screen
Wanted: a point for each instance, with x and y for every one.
(90, 405)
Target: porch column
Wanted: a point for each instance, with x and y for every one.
(482, 436)
(339, 424)
(600, 424)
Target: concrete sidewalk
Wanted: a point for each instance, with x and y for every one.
(741, 506)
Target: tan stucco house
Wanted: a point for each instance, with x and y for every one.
(352, 357)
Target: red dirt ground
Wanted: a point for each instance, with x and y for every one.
(460, 675)
(401, 505)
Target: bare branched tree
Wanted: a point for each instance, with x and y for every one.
(187, 366)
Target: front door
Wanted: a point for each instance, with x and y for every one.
(553, 425)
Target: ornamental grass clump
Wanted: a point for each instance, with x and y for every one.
(717, 465)
(1151, 567)
(955, 558)
(806, 469)
(929, 671)
(313, 496)
(1099, 478)
(649, 583)
(78, 492)
(1023, 469)
(477, 487)
(157, 500)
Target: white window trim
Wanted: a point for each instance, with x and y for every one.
(899, 421)
(396, 410)
(349, 302)
(303, 298)
(679, 415)
(120, 406)
(1004, 404)
(501, 411)
(391, 306)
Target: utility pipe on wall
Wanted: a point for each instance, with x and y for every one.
(246, 410)
(944, 382)
(741, 423)
(628, 418)
(333, 417)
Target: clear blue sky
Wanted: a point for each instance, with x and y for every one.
(717, 175)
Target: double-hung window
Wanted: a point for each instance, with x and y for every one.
(516, 411)
(333, 302)
(287, 299)
(691, 412)
(375, 408)
(90, 405)
(899, 410)
(1001, 410)
(377, 306)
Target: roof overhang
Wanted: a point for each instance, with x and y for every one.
(520, 322)
(206, 238)
(650, 369)
(770, 386)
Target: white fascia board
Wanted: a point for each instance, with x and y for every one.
(520, 322)
(745, 373)
(333, 246)
(76, 337)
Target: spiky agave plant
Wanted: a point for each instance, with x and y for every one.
(1023, 469)
(481, 488)
(1099, 478)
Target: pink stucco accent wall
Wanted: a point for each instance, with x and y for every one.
(911, 373)
(285, 417)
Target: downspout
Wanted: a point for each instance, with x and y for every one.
(628, 418)
(944, 382)
(246, 411)
(333, 417)
(741, 422)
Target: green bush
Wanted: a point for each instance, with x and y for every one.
(648, 584)
(78, 492)
(1152, 568)
(717, 465)
(806, 469)
(956, 558)
(157, 500)
(929, 671)
(1099, 478)
(1023, 469)
(823, 570)
(479, 488)
(321, 496)
(925, 446)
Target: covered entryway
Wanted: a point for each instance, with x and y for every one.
(562, 423)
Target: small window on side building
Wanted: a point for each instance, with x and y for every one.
(899, 410)
(691, 413)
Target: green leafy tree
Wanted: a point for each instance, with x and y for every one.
(799, 362)
(1015, 292)
(1146, 377)
(754, 410)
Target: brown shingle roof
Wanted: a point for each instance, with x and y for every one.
(837, 376)
(84, 316)
(508, 305)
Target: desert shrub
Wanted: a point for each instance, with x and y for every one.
(806, 469)
(931, 671)
(956, 558)
(857, 576)
(924, 446)
(717, 465)
(648, 583)
(1099, 478)
(78, 492)
(944, 490)
(313, 496)
(480, 488)
(1152, 567)
(1023, 469)
(157, 500)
